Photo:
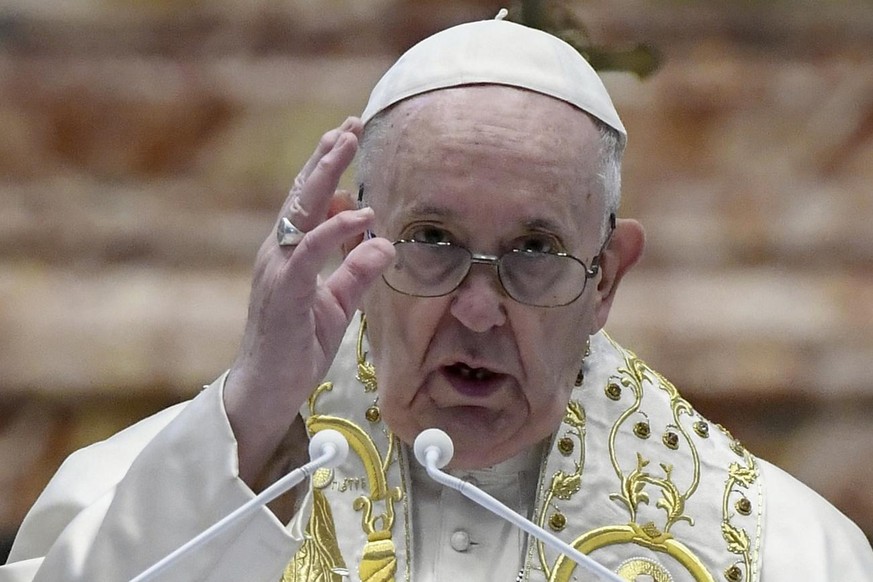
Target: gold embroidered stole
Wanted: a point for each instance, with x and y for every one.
(634, 477)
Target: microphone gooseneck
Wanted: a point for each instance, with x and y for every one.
(434, 449)
(327, 448)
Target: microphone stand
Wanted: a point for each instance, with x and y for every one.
(331, 448)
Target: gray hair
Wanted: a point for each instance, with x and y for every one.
(371, 144)
(608, 174)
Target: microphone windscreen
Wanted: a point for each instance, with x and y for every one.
(433, 438)
(323, 440)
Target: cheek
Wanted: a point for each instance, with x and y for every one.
(554, 357)
(552, 376)
(399, 330)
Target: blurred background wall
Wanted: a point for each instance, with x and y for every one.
(145, 146)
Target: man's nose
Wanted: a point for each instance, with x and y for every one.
(480, 301)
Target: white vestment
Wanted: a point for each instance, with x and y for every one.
(634, 477)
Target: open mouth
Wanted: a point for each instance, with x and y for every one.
(472, 381)
(467, 373)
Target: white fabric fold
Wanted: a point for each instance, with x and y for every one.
(133, 499)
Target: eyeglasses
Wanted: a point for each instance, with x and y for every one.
(423, 269)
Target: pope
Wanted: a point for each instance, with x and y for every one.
(482, 257)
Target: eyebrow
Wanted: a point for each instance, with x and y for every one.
(543, 224)
(426, 209)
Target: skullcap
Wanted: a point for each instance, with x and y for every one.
(498, 52)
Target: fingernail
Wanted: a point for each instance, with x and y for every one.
(347, 124)
(364, 213)
(337, 145)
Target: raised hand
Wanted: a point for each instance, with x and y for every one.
(296, 319)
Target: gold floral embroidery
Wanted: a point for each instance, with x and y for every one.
(366, 371)
(564, 485)
(638, 484)
(319, 558)
(737, 539)
(633, 375)
(631, 569)
(379, 562)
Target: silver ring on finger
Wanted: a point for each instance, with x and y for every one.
(287, 234)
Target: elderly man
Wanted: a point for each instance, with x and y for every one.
(484, 260)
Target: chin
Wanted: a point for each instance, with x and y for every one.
(478, 453)
(481, 437)
(472, 463)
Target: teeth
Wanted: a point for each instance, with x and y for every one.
(473, 373)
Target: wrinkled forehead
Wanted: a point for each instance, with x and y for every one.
(471, 127)
(499, 53)
(460, 154)
(512, 123)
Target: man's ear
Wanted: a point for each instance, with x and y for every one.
(342, 200)
(624, 250)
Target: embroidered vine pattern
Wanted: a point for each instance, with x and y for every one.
(634, 485)
(564, 485)
(739, 476)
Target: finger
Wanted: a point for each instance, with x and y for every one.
(341, 200)
(308, 207)
(316, 248)
(363, 265)
(325, 144)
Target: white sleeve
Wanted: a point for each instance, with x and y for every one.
(806, 538)
(117, 507)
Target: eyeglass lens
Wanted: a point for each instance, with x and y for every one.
(432, 270)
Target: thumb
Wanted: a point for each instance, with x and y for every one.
(343, 200)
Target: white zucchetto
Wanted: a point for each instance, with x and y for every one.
(498, 52)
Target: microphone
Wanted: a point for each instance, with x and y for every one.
(433, 448)
(327, 448)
